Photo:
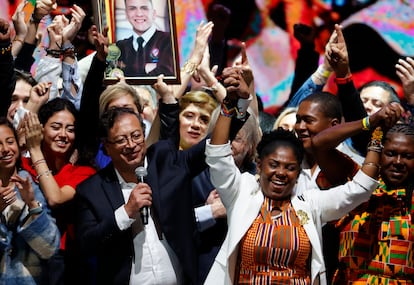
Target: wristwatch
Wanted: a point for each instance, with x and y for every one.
(36, 210)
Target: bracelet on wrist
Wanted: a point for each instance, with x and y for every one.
(35, 211)
(17, 39)
(344, 80)
(189, 67)
(323, 72)
(56, 53)
(212, 87)
(365, 124)
(227, 111)
(37, 162)
(34, 20)
(45, 173)
(70, 52)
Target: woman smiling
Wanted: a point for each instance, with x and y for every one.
(274, 236)
(51, 142)
(28, 234)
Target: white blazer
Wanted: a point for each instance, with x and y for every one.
(243, 198)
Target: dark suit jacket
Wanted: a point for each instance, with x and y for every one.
(158, 51)
(170, 172)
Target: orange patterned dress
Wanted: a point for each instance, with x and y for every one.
(275, 250)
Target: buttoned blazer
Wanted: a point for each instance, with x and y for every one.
(243, 198)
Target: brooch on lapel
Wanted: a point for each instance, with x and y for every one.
(154, 55)
(303, 217)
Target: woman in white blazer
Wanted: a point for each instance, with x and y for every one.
(261, 210)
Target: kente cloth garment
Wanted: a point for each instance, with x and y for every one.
(275, 250)
(377, 240)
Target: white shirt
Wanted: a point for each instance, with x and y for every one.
(146, 36)
(155, 262)
(306, 179)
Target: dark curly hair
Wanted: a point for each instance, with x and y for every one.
(280, 137)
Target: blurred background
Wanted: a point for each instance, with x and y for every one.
(267, 28)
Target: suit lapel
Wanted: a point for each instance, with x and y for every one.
(247, 215)
(111, 187)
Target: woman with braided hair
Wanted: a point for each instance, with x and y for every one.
(377, 238)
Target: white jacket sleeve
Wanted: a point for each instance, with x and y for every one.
(224, 173)
(338, 201)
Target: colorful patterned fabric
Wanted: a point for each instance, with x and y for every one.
(377, 240)
(275, 250)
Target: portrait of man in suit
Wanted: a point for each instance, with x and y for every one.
(148, 51)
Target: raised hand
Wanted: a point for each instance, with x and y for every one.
(166, 92)
(304, 34)
(201, 42)
(55, 34)
(387, 116)
(72, 28)
(18, 22)
(101, 42)
(39, 94)
(243, 64)
(405, 71)
(43, 8)
(234, 82)
(33, 131)
(336, 53)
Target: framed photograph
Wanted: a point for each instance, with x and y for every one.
(143, 40)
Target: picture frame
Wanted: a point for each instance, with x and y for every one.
(127, 20)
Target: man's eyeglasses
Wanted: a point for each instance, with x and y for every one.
(135, 137)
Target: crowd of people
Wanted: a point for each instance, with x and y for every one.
(183, 184)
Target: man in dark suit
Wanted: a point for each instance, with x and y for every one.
(108, 223)
(148, 52)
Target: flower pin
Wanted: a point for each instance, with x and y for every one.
(303, 217)
(154, 54)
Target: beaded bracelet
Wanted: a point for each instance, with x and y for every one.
(226, 111)
(7, 49)
(56, 53)
(70, 52)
